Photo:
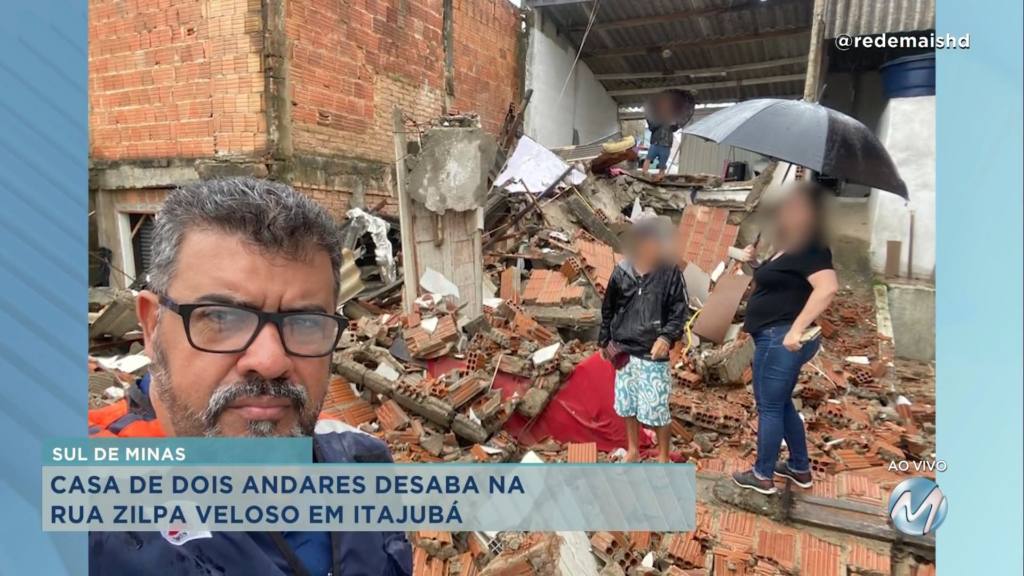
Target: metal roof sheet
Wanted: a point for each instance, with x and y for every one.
(866, 17)
(731, 34)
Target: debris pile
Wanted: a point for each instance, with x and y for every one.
(424, 382)
(439, 383)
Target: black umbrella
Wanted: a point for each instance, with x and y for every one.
(808, 135)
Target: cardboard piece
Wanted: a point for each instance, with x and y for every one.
(716, 316)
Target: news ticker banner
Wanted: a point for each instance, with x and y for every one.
(270, 484)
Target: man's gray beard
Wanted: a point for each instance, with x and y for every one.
(189, 423)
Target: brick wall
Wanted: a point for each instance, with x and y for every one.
(183, 79)
(338, 200)
(175, 78)
(486, 68)
(352, 62)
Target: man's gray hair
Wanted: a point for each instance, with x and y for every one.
(274, 218)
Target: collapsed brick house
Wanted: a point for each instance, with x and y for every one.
(301, 91)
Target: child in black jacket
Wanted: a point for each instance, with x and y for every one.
(644, 313)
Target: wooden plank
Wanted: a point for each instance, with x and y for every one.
(404, 216)
(477, 307)
(815, 52)
(849, 518)
(893, 255)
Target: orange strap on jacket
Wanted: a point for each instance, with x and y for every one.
(116, 421)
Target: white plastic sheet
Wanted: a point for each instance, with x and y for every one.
(378, 229)
(533, 168)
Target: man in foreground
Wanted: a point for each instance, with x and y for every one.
(239, 321)
(642, 317)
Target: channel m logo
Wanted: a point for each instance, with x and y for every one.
(917, 507)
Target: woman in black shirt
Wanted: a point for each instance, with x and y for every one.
(791, 289)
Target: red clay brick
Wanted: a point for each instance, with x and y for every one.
(685, 550)
(778, 546)
(736, 530)
(825, 487)
(818, 557)
(863, 560)
(507, 290)
(582, 453)
(180, 79)
(703, 237)
(924, 570)
(599, 258)
(860, 489)
(730, 563)
(640, 540)
(604, 543)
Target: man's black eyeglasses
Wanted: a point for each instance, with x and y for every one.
(229, 329)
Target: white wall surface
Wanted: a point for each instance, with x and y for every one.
(907, 129)
(553, 114)
(699, 156)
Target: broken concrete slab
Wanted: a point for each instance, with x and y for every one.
(450, 170)
(359, 374)
(590, 222)
(726, 365)
(100, 297)
(117, 318)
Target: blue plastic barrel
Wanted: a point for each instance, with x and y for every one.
(909, 77)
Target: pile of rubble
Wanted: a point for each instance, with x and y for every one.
(425, 378)
(724, 547)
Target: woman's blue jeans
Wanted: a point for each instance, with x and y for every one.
(776, 371)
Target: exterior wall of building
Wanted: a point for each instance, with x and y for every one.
(554, 113)
(351, 62)
(488, 60)
(698, 156)
(297, 90)
(907, 129)
(175, 79)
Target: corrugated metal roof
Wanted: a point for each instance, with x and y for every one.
(732, 34)
(787, 89)
(783, 16)
(740, 19)
(866, 17)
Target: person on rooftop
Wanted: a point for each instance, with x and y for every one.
(663, 129)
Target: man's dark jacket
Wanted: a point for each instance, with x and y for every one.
(639, 310)
(255, 553)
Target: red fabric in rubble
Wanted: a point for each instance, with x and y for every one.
(581, 411)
